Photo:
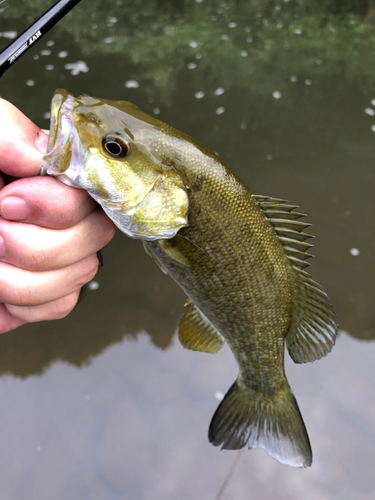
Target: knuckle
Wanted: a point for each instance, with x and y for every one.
(89, 269)
(64, 306)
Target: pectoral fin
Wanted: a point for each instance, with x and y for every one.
(172, 249)
(196, 333)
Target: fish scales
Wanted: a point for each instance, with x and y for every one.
(239, 257)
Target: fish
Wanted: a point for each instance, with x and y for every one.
(239, 257)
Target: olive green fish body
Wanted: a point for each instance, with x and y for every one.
(240, 258)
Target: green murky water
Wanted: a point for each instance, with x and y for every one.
(106, 404)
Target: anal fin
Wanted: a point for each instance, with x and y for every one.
(196, 333)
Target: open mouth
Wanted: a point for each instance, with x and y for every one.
(63, 156)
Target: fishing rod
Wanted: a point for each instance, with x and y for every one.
(32, 34)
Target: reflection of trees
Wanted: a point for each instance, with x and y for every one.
(318, 37)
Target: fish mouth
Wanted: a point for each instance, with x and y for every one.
(63, 148)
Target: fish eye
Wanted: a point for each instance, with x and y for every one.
(116, 146)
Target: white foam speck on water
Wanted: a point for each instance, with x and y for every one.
(62, 54)
(373, 102)
(35, 57)
(220, 110)
(219, 91)
(243, 53)
(355, 252)
(108, 40)
(50, 43)
(192, 65)
(93, 285)
(112, 20)
(47, 115)
(77, 67)
(45, 52)
(276, 94)
(131, 84)
(156, 111)
(9, 34)
(50, 67)
(373, 128)
(199, 95)
(370, 111)
(219, 396)
(269, 157)
(293, 78)
(308, 82)
(298, 31)
(30, 83)
(193, 44)
(232, 25)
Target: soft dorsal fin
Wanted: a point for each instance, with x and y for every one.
(288, 229)
(313, 330)
(196, 333)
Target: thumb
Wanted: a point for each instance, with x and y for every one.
(22, 142)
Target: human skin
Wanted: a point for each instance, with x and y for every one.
(49, 232)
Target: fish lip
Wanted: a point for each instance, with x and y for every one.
(63, 142)
(59, 98)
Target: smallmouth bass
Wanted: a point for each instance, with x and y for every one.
(239, 257)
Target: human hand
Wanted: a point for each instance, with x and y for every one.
(49, 232)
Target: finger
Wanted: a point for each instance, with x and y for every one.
(19, 155)
(27, 288)
(8, 321)
(44, 201)
(56, 309)
(36, 248)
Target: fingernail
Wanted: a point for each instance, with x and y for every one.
(41, 142)
(2, 248)
(13, 208)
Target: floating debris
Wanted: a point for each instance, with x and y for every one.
(131, 84)
(219, 91)
(93, 285)
(77, 67)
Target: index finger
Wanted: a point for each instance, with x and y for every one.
(19, 156)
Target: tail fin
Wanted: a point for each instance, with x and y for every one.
(270, 422)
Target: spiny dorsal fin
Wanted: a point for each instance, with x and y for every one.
(288, 229)
(313, 330)
(196, 333)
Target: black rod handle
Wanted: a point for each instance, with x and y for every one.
(17, 48)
